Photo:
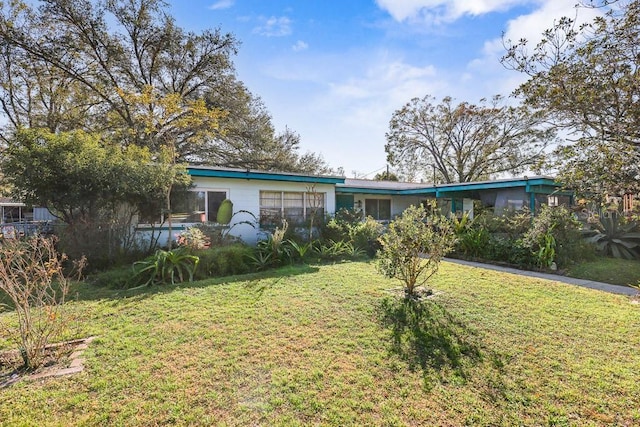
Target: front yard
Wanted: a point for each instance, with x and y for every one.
(331, 345)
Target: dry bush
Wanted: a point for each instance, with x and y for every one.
(32, 277)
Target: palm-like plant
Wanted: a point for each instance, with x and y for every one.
(613, 237)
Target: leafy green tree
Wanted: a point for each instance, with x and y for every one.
(77, 175)
(586, 79)
(413, 247)
(386, 176)
(94, 186)
(464, 142)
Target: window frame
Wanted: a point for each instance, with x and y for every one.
(195, 216)
(368, 201)
(279, 209)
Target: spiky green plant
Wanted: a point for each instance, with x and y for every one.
(613, 237)
(165, 267)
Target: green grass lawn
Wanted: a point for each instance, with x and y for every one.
(608, 270)
(330, 345)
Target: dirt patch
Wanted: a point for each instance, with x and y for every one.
(60, 359)
(420, 293)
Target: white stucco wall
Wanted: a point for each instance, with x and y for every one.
(245, 195)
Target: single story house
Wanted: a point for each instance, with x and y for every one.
(263, 198)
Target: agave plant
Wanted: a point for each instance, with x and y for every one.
(165, 267)
(613, 237)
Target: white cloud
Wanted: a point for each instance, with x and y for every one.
(222, 4)
(354, 94)
(299, 46)
(443, 10)
(274, 26)
(487, 67)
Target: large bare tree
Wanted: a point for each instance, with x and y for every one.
(464, 142)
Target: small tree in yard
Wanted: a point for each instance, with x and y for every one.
(413, 247)
(31, 276)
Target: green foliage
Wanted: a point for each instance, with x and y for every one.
(613, 237)
(115, 278)
(225, 212)
(274, 249)
(468, 238)
(584, 77)
(165, 267)
(555, 236)
(332, 251)
(300, 250)
(261, 260)
(96, 187)
(386, 176)
(223, 261)
(79, 176)
(552, 236)
(348, 226)
(193, 238)
(511, 224)
(473, 241)
(365, 235)
(413, 247)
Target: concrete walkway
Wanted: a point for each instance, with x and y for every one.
(606, 287)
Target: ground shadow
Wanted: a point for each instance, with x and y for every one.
(87, 292)
(428, 337)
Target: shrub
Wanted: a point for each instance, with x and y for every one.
(116, 278)
(223, 261)
(512, 224)
(299, 251)
(554, 236)
(193, 238)
(348, 226)
(165, 267)
(275, 247)
(472, 237)
(413, 247)
(335, 230)
(215, 234)
(365, 235)
(340, 227)
(474, 241)
(31, 275)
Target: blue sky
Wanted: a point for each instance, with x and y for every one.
(335, 70)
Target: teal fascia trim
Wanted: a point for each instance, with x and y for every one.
(532, 203)
(388, 192)
(353, 190)
(264, 176)
(470, 186)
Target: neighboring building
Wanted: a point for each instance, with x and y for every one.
(263, 198)
(18, 219)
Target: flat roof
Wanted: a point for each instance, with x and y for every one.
(219, 172)
(367, 186)
(404, 188)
